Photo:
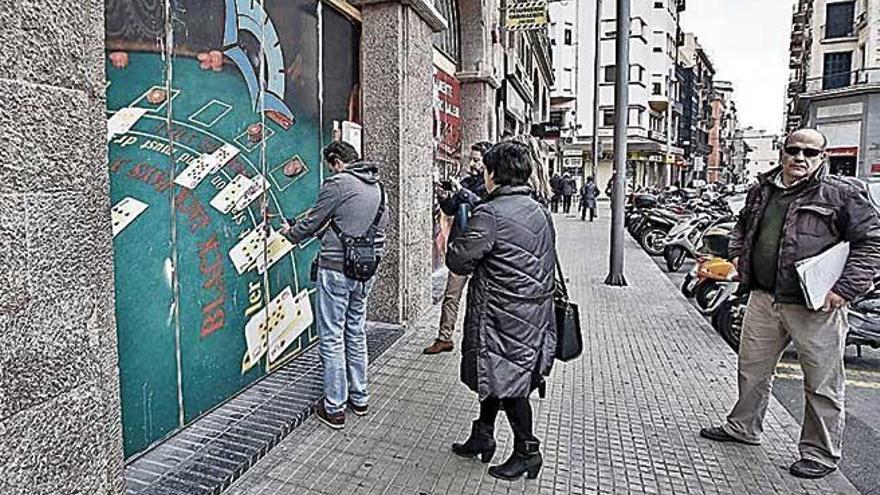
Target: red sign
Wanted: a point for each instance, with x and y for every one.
(447, 119)
(875, 169)
(843, 151)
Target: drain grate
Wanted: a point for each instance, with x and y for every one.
(211, 453)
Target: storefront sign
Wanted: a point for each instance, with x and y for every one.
(447, 150)
(526, 16)
(546, 130)
(843, 151)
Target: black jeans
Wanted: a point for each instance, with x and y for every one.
(566, 204)
(554, 203)
(584, 210)
(519, 415)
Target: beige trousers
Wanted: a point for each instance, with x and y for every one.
(455, 285)
(820, 339)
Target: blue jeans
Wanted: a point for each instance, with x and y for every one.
(340, 316)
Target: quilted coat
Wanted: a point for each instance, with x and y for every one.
(509, 248)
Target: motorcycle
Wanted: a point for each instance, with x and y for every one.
(728, 318)
(717, 282)
(703, 234)
(864, 320)
(863, 315)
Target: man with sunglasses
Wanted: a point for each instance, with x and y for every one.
(794, 212)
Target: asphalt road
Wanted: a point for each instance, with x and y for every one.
(861, 458)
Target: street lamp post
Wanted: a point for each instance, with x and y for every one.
(621, 111)
(597, 61)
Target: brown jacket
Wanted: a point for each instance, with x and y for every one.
(827, 210)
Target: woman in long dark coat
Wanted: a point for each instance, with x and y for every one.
(510, 332)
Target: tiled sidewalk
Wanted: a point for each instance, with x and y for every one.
(621, 419)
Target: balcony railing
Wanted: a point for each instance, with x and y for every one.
(844, 80)
(833, 32)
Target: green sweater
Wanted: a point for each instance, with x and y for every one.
(765, 251)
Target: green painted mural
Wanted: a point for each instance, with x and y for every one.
(216, 119)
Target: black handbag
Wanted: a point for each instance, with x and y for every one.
(569, 340)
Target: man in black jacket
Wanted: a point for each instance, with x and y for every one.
(458, 203)
(796, 212)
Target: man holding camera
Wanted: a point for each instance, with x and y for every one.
(457, 200)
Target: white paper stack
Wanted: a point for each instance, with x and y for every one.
(819, 273)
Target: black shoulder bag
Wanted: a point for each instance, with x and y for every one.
(360, 259)
(569, 340)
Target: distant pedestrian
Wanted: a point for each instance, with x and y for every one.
(797, 211)
(458, 201)
(556, 189)
(510, 331)
(589, 192)
(569, 188)
(350, 204)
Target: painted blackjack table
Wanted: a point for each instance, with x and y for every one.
(212, 143)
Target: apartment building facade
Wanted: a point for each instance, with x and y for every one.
(696, 75)
(653, 114)
(835, 83)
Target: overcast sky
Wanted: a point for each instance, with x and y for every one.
(747, 41)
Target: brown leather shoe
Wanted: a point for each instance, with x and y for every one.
(718, 434)
(359, 410)
(335, 421)
(439, 346)
(810, 469)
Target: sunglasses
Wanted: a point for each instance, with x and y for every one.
(808, 152)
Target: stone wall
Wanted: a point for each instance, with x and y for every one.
(60, 430)
(397, 96)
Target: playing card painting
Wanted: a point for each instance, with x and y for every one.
(216, 121)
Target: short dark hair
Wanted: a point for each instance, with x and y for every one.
(509, 162)
(482, 147)
(340, 150)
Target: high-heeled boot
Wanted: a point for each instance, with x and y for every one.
(481, 443)
(526, 458)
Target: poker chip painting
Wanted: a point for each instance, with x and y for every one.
(199, 164)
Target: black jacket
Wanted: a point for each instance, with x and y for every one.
(569, 186)
(473, 189)
(510, 330)
(826, 211)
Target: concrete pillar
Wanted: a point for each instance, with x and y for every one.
(480, 77)
(60, 427)
(397, 60)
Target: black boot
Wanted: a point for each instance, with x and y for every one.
(481, 443)
(526, 458)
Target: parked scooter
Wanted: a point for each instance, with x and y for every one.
(863, 317)
(704, 234)
(728, 318)
(864, 320)
(717, 282)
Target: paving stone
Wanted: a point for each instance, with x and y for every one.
(623, 418)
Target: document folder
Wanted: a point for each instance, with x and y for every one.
(819, 273)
